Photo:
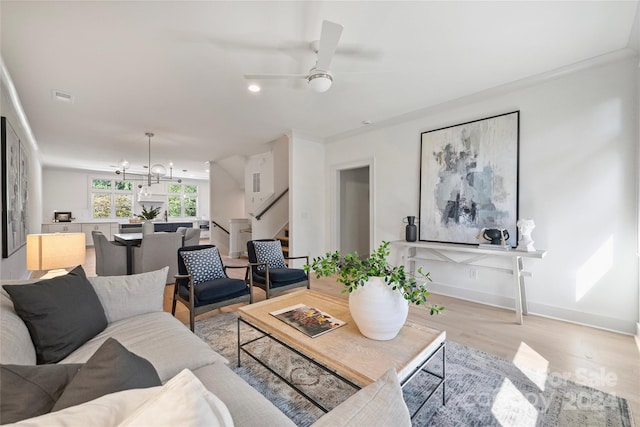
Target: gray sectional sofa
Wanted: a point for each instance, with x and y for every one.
(134, 317)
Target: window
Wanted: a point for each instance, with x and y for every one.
(111, 198)
(183, 200)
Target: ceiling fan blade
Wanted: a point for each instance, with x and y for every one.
(329, 38)
(274, 76)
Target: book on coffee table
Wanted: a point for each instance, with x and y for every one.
(308, 320)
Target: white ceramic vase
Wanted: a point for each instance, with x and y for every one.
(148, 227)
(378, 310)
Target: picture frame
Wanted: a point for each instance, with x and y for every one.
(62, 216)
(469, 180)
(15, 190)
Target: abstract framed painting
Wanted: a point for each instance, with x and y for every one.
(14, 190)
(469, 180)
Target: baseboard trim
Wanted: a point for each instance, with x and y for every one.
(552, 312)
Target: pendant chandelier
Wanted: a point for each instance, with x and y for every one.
(155, 174)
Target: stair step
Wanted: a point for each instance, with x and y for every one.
(283, 238)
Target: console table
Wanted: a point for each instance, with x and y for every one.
(472, 254)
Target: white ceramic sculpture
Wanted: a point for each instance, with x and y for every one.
(525, 226)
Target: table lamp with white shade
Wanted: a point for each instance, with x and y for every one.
(55, 252)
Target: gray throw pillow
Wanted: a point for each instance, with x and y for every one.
(271, 253)
(27, 391)
(61, 313)
(112, 368)
(203, 265)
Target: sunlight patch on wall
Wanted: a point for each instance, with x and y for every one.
(532, 365)
(594, 268)
(511, 407)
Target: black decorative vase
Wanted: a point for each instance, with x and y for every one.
(411, 230)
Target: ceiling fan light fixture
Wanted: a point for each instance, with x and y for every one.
(320, 82)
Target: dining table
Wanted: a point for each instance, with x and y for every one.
(130, 240)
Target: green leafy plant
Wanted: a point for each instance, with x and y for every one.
(149, 214)
(353, 272)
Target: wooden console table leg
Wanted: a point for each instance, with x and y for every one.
(519, 295)
(517, 275)
(523, 290)
(410, 264)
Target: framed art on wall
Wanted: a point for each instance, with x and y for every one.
(469, 180)
(15, 175)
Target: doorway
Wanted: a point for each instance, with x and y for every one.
(354, 213)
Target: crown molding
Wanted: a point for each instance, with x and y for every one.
(608, 58)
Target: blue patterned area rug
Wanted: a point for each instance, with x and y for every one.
(481, 389)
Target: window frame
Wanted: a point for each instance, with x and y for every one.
(113, 192)
(183, 195)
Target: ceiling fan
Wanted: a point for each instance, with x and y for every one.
(319, 77)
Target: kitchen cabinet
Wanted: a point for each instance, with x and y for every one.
(103, 227)
(170, 227)
(62, 228)
(107, 228)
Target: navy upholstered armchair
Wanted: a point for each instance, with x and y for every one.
(202, 283)
(268, 269)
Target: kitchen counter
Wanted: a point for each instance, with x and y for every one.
(158, 226)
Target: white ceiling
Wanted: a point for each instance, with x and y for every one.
(176, 68)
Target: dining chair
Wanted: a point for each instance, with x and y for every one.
(268, 269)
(202, 283)
(111, 257)
(191, 235)
(157, 250)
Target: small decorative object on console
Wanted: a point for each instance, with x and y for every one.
(411, 230)
(496, 236)
(526, 226)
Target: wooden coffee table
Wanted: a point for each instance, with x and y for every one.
(345, 352)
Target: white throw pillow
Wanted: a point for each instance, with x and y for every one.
(183, 401)
(127, 296)
(108, 410)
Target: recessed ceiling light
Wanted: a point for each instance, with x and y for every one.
(366, 122)
(254, 88)
(62, 96)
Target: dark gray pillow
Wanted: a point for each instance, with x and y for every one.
(112, 368)
(61, 313)
(27, 391)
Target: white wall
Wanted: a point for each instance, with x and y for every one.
(274, 168)
(257, 198)
(14, 267)
(307, 197)
(69, 190)
(226, 202)
(578, 139)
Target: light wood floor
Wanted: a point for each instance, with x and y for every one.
(604, 360)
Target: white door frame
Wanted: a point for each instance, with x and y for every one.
(335, 201)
